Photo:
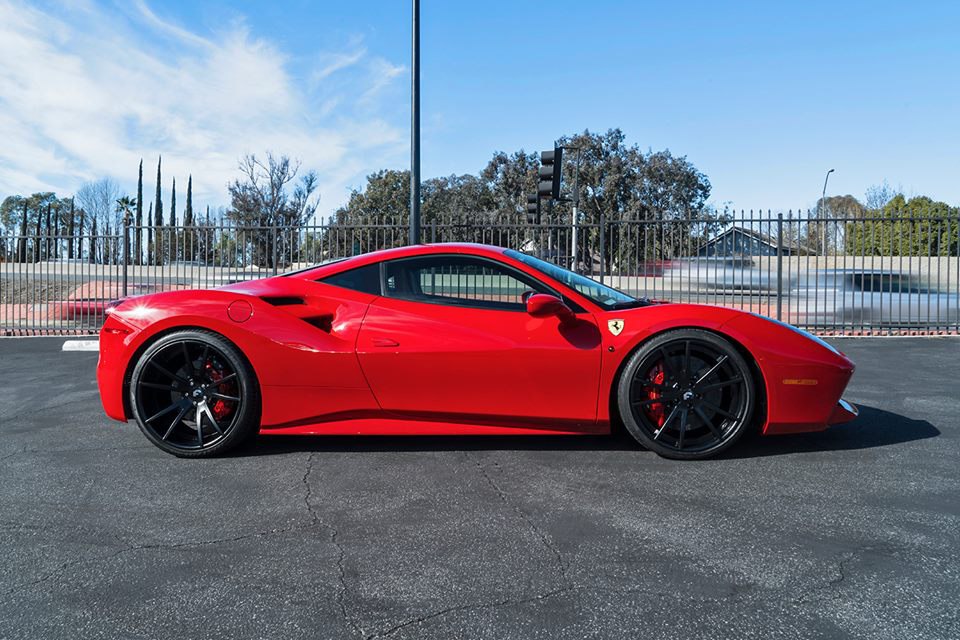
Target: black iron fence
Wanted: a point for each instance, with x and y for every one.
(857, 275)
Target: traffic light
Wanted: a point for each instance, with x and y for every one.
(533, 209)
(551, 167)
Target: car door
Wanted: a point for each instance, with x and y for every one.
(450, 339)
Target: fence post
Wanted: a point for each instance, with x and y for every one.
(433, 231)
(603, 246)
(126, 250)
(780, 266)
(276, 238)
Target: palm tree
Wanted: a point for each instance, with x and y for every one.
(125, 206)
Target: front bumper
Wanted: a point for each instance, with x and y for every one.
(843, 412)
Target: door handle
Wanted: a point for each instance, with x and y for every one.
(385, 342)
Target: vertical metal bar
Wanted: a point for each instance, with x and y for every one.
(780, 266)
(603, 248)
(834, 318)
(276, 239)
(126, 254)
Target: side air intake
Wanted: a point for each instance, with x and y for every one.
(282, 301)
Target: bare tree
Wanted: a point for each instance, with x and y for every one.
(268, 197)
(98, 199)
(879, 195)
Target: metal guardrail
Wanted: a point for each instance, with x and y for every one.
(857, 275)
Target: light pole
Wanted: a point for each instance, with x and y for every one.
(415, 129)
(823, 216)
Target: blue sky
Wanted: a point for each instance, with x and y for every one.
(763, 97)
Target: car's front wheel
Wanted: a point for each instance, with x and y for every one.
(193, 394)
(686, 394)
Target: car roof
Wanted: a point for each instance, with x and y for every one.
(468, 248)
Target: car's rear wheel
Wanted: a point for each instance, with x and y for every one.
(686, 394)
(193, 394)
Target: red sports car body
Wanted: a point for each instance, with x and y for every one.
(457, 339)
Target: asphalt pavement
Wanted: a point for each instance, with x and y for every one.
(852, 533)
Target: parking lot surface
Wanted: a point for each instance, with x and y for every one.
(852, 533)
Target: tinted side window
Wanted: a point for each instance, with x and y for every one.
(365, 279)
(456, 280)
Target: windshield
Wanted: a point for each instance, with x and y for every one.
(606, 297)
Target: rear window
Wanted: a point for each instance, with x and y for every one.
(365, 279)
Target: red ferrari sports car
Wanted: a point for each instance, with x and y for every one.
(457, 339)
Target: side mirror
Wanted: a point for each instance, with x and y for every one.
(543, 305)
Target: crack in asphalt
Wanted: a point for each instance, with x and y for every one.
(341, 552)
(466, 607)
(545, 539)
(832, 584)
(842, 569)
(10, 455)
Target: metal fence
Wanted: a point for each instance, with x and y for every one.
(857, 275)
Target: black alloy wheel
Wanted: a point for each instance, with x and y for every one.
(686, 394)
(193, 394)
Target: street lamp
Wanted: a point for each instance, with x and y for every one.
(823, 216)
(415, 128)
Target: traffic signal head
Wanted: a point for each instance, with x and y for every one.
(533, 209)
(551, 167)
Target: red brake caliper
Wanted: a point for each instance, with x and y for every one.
(220, 408)
(655, 410)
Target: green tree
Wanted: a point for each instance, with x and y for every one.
(510, 178)
(30, 215)
(618, 182)
(920, 226)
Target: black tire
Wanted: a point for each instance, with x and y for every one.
(686, 394)
(205, 384)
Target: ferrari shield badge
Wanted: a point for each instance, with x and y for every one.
(615, 326)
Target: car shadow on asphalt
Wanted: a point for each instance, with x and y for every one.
(873, 428)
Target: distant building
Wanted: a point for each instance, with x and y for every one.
(738, 241)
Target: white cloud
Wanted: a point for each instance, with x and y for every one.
(330, 63)
(86, 92)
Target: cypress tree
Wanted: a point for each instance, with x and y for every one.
(188, 214)
(173, 204)
(188, 238)
(158, 224)
(138, 221)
